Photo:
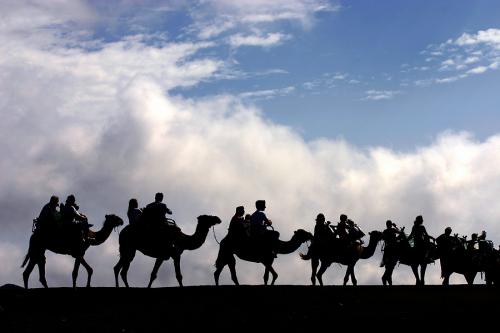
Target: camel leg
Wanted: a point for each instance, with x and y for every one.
(446, 278)
(314, 269)
(154, 273)
(177, 266)
(89, 269)
(469, 277)
(75, 271)
(27, 272)
(266, 275)
(124, 273)
(217, 272)
(414, 268)
(422, 274)
(322, 269)
(387, 277)
(232, 268)
(350, 273)
(116, 270)
(275, 275)
(41, 272)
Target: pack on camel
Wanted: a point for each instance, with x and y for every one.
(66, 240)
(160, 244)
(333, 250)
(246, 248)
(414, 257)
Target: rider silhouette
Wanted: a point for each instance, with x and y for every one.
(236, 226)
(48, 214)
(421, 238)
(390, 236)
(134, 212)
(154, 213)
(258, 226)
(71, 216)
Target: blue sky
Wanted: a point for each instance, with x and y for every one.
(379, 110)
(361, 47)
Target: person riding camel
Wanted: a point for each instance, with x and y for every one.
(70, 215)
(355, 232)
(134, 213)
(258, 227)
(390, 236)
(341, 231)
(48, 215)
(154, 213)
(237, 224)
(322, 233)
(446, 242)
(421, 239)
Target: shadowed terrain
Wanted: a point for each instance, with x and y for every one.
(247, 308)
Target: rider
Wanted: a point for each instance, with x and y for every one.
(236, 226)
(258, 226)
(355, 233)
(134, 212)
(341, 230)
(390, 236)
(421, 238)
(48, 214)
(70, 215)
(154, 213)
(446, 241)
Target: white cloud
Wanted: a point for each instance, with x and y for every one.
(489, 37)
(376, 95)
(268, 93)
(477, 70)
(270, 39)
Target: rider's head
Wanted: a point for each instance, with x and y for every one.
(240, 211)
(343, 218)
(159, 197)
(70, 199)
(132, 203)
(474, 236)
(320, 218)
(54, 200)
(260, 204)
(388, 224)
(419, 220)
(447, 231)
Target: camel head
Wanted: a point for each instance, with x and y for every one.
(113, 220)
(208, 220)
(302, 235)
(376, 235)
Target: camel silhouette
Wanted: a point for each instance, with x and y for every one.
(65, 240)
(249, 250)
(405, 254)
(457, 259)
(159, 244)
(327, 253)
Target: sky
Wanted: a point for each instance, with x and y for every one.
(379, 110)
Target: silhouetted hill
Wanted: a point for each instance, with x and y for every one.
(248, 308)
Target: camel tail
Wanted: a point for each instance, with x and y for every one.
(26, 258)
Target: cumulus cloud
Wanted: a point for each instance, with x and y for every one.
(103, 123)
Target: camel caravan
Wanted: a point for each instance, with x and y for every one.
(63, 229)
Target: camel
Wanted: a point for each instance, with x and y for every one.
(160, 244)
(457, 259)
(330, 252)
(405, 254)
(66, 240)
(249, 250)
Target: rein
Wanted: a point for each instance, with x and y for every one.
(215, 236)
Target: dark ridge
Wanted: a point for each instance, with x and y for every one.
(249, 308)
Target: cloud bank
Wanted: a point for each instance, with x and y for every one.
(102, 122)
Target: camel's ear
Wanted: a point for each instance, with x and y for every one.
(106, 216)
